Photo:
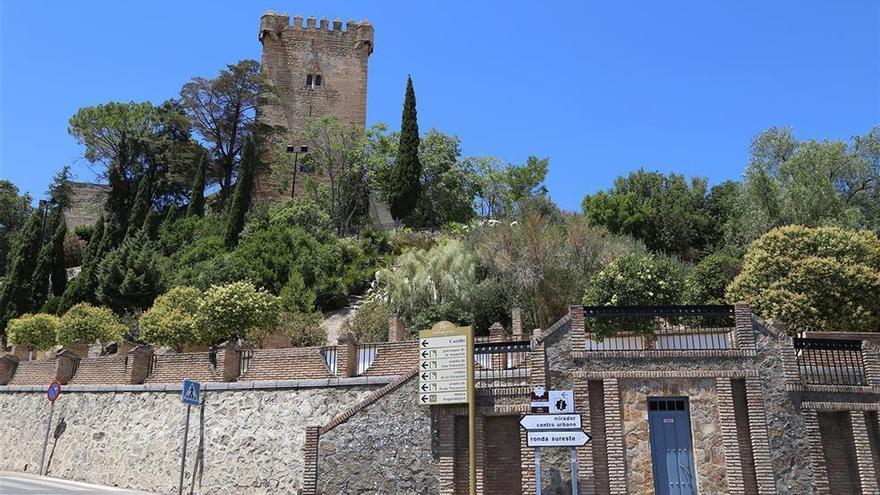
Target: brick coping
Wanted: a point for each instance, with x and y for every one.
(390, 386)
(650, 374)
(209, 386)
(655, 354)
(834, 389)
(841, 406)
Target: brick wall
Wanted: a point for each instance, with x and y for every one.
(873, 424)
(394, 359)
(596, 394)
(173, 368)
(839, 451)
(502, 475)
(110, 370)
(34, 373)
(293, 363)
(744, 436)
(8, 363)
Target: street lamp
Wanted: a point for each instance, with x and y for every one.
(292, 149)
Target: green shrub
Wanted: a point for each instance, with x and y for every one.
(171, 321)
(85, 232)
(74, 250)
(304, 329)
(369, 323)
(303, 212)
(130, 276)
(707, 281)
(87, 324)
(823, 278)
(37, 332)
(236, 311)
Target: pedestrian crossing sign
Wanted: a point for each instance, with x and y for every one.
(191, 392)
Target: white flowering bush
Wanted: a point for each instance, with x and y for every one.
(635, 280)
(823, 278)
(171, 320)
(87, 324)
(236, 311)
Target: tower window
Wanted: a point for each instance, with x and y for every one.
(318, 80)
(309, 80)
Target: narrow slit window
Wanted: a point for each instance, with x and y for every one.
(308, 80)
(317, 79)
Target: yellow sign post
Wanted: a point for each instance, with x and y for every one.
(446, 376)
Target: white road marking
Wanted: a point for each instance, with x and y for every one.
(45, 482)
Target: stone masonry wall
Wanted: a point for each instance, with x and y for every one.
(387, 448)
(253, 440)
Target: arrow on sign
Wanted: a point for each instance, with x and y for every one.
(424, 343)
(425, 376)
(573, 438)
(424, 398)
(424, 387)
(424, 365)
(425, 354)
(551, 422)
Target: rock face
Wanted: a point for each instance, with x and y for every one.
(359, 457)
(252, 440)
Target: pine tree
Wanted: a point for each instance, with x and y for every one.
(117, 207)
(197, 198)
(241, 201)
(59, 270)
(129, 277)
(15, 296)
(407, 172)
(43, 270)
(141, 206)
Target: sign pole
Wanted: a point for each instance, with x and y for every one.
(472, 415)
(46, 438)
(537, 470)
(574, 471)
(183, 453)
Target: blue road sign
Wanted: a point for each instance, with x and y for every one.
(54, 391)
(191, 392)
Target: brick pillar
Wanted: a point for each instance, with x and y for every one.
(346, 357)
(8, 363)
(497, 334)
(139, 364)
(586, 478)
(396, 329)
(310, 460)
(538, 366)
(483, 459)
(578, 330)
(65, 366)
(745, 331)
(125, 347)
(22, 352)
(730, 440)
(229, 361)
(516, 327)
(864, 456)
(871, 358)
(614, 438)
(447, 452)
(760, 439)
(527, 465)
(817, 452)
(789, 362)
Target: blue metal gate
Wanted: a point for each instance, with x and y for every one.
(670, 428)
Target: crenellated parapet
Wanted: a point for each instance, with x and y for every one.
(277, 25)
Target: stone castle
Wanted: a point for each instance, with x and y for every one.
(314, 69)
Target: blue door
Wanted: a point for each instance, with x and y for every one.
(669, 424)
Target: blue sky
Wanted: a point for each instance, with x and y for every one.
(602, 88)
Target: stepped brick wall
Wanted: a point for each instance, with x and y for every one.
(286, 364)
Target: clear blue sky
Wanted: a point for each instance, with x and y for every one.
(601, 88)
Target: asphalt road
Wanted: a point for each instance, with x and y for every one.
(15, 484)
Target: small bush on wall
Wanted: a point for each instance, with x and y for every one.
(87, 324)
(37, 332)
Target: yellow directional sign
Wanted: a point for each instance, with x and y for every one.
(445, 353)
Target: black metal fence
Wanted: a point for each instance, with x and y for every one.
(244, 363)
(830, 361)
(151, 366)
(660, 328)
(501, 364)
(329, 353)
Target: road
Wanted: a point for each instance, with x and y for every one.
(19, 483)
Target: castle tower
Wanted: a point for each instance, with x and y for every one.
(313, 70)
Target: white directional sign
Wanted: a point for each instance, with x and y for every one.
(557, 438)
(444, 353)
(561, 401)
(551, 422)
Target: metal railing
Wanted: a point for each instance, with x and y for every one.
(659, 328)
(244, 362)
(151, 365)
(830, 361)
(329, 354)
(366, 354)
(501, 364)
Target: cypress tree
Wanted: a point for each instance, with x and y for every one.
(197, 198)
(82, 288)
(117, 206)
(59, 270)
(43, 271)
(241, 201)
(407, 172)
(16, 295)
(129, 277)
(141, 206)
